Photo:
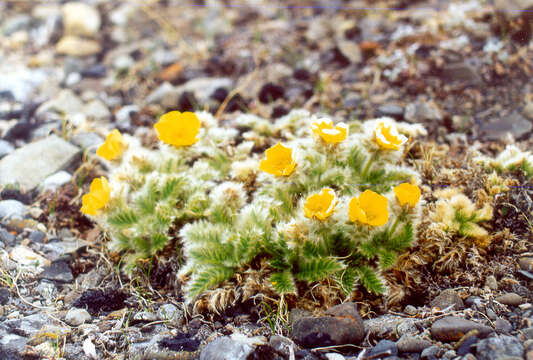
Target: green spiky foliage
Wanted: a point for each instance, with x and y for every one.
(227, 214)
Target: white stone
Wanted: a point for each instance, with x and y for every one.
(76, 317)
(96, 110)
(26, 257)
(80, 19)
(76, 46)
(11, 209)
(31, 164)
(66, 102)
(56, 180)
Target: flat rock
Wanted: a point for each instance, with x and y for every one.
(447, 298)
(57, 271)
(391, 326)
(40, 159)
(411, 344)
(344, 326)
(515, 124)
(452, 328)
(499, 348)
(226, 348)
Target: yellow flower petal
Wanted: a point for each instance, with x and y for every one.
(320, 205)
(97, 198)
(279, 161)
(388, 137)
(178, 129)
(113, 146)
(370, 208)
(331, 135)
(407, 194)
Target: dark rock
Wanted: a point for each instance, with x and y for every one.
(352, 101)
(187, 101)
(57, 271)
(7, 238)
(264, 352)
(220, 94)
(466, 345)
(20, 131)
(343, 326)
(431, 353)
(98, 301)
(447, 298)
(503, 326)
(453, 328)
(5, 296)
(94, 71)
(37, 236)
(181, 342)
(271, 92)
(383, 349)
(302, 74)
(498, 347)
(15, 194)
(279, 111)
(236, 103)
(391, 110)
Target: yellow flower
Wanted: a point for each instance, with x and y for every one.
(178, 129)
(331, 135)
(97, 198)
(320, 205)
(113, 146)
(370, 208)
(279, 161)
(388, 137)
(407, 194)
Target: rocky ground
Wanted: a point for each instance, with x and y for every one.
(72, 71)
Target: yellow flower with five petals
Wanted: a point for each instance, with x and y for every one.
(113, 146)
(279, 160)
(388, 138)
(331, 135)
(370, 208)
(178, 129)
(407, 194)
(320, 205)
(97, 198)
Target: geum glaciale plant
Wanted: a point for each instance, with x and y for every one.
(326, 202)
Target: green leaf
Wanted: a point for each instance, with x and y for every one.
(171, 187)
(158, 242)
(125, 218)
(370, 280)
(208, 278)
(346, 280)
(356, 160)
(283, 282)
(401, 241)
(386, 259)
(318, 268)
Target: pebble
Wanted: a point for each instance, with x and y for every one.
(26, 257)
(170, 312)
(6, 237)
(66, 102)
(282, 345)
(491, 282)
(97, 110)
(75, 46)
(526, 263)
(5, 296)
(203, 87)
(56, 180)
(12, 209)
(76, 317)
(391, 110)
(431, 353)
(498, 347)
(123, 62)
(412, 344)
(271, 92)
(352, 101)
(422, 111)
(391, 326)
(503, 326)
(510, 299)
(452, 328)
(80, 19)
(462, 72)
(350, 50)
(448, 298)
(515, 124)
(94, 71)
(385, 348)
(40, 159)
(87, 140)
(226, 348)
(57, 271)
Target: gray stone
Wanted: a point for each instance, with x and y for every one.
(96, 110)
(452, 328)
(390, 110)
(123, 62)
(225, 348)
(170, 312)
(384, 347)
(447, 298)
(80, 19)
(422, 111)
(145, 316)
(40, 159)
(498, 348)
(166, 93)
(6, 237)
(431, 353)
(56, 180)
(47, 290)
(526, 263)
(511, 299)
(491, 282)
(87, 140)
(5, 296)
(76, 317)
(391, 326)
(12, 209)
(503, 326)
(57, 271)
(66, 102)
(350, 50)
(12, 346)
(56, 249)
(202, 88)
(123, 115)
(21, 81)
(352, 101)
(37, 236)
(46, 129)
(410, 310)
(462, 72)
(5, 148)
(409, 344)
(515, 124)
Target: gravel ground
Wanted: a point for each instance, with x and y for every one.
(72, 71)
